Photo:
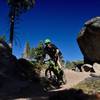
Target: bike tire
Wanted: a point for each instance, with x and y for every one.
(64, 79)
(49, 74)
(53, 79)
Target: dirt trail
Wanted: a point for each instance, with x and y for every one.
(73, 78)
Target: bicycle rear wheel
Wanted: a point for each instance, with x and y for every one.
(61, 77)
(64, 79)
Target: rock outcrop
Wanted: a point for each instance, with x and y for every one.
(7, 60)
(96, 67)
(15, 74)
(9, 80)
(89, 41)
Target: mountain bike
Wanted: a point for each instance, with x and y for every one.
(54, 74)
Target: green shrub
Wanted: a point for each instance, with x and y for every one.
(72, 64)
(28, 70)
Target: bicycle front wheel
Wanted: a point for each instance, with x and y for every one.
(49, 74)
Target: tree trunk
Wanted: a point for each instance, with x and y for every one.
(12, 19)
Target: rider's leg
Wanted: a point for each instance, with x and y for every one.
(58, 62)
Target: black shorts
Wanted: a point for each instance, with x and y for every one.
(55, 59)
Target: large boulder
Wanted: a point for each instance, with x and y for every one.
(7, 63)
(15, 74)
(89, 41)
(7, 60)
(9, 79)
(96, 67)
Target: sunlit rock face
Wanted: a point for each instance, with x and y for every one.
(89, 40)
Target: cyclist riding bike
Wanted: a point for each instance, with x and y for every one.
(53, 52)
(54, 72)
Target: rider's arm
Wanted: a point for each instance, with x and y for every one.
(57, 52)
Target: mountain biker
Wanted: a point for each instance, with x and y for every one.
(53, 52)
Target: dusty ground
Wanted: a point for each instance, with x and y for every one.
(73, 78)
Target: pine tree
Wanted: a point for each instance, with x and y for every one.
(27, 50)
(37, 53)
(3, 37)
(32, 53)
(16, 8)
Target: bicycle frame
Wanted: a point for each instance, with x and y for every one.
(55, 69)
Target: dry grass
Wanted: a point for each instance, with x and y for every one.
(90, 85)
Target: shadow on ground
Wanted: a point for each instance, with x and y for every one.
(35, 92)
(73, 94)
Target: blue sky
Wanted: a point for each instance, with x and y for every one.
(59, 20)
